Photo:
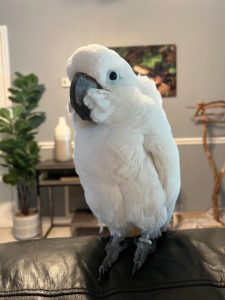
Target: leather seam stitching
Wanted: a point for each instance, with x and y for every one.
(200, 282)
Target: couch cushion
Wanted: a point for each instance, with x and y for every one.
(188, 264)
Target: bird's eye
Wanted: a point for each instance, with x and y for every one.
(113, 75)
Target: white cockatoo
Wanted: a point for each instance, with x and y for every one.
(125, 154)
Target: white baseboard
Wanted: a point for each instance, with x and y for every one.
(49, 145)
(187, 141)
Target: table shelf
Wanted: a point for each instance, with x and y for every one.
(46, 180)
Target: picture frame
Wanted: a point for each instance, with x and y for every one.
(155, 61)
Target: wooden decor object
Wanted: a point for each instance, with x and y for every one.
(206, 116)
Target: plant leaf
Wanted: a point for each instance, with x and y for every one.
(7, 145)
(5, 113)
(10, 179)
(18, 110)
(5, 126)
(36, 119)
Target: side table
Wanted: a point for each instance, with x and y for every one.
(50, 174)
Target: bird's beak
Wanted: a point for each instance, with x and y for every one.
(80, 84)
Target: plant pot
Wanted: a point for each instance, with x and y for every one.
(26, 227)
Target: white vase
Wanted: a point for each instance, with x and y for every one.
(26, 227)
(63, 149)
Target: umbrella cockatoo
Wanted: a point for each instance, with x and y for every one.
(125, 154)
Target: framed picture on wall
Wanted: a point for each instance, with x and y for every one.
(157, 62)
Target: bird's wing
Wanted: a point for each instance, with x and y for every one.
(164, 154)
(160, 145)
(142, 191)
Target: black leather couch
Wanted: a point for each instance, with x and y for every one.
(188, 264)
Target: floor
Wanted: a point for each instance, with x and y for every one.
(184, 221)
(7, 236)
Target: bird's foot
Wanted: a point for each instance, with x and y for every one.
(145, 246)
(113, 249)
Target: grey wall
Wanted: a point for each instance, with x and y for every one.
(44, 33)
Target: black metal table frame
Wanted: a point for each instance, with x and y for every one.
(43, 168)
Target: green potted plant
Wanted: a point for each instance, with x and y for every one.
(19, 149)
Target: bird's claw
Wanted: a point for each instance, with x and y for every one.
(113, 249)
(144, 248)
(102, 270)
(139, 258)
(105, 266)
(136, 266)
